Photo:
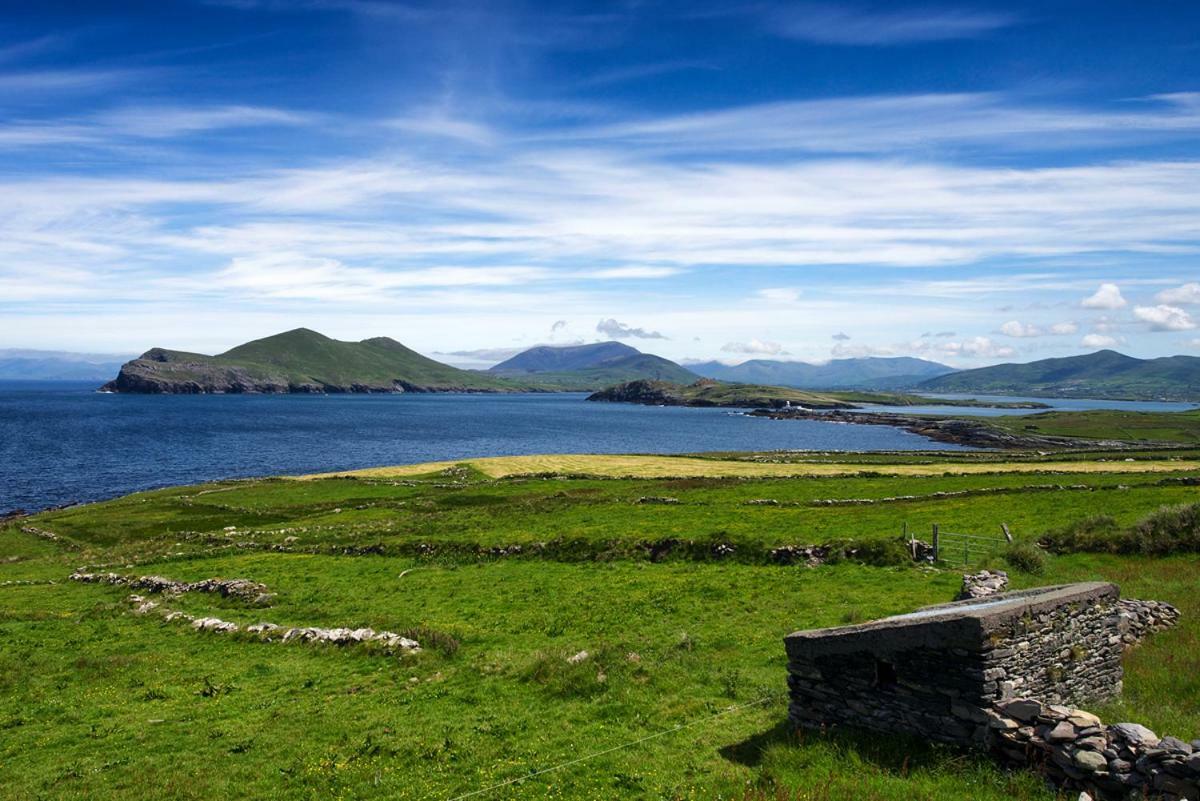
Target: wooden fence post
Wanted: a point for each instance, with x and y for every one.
(1007, 534)
(937, 552)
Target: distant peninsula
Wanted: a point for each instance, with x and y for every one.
(301, 361)
(708, 392)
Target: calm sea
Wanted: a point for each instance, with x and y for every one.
(63, 443)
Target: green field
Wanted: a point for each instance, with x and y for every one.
(680, 696)
(1181, 427)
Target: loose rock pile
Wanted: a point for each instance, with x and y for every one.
(1075, 750)
(270, 632)
(982, 584)
(1146, 617)
(242, 589)
(811, 555)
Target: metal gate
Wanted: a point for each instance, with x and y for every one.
(965, 549)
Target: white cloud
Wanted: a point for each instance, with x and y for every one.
(1108, 296)
(1098, 341)
(1015, 328)
(1186, 295)
(978, 348)
(632, 271)
(841, 336)
(618, 330)
(843, 351)
(297, 276)
(780, 294)
(754, 346)
(1164, 318)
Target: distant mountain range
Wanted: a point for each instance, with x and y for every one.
(1104, 374)
(590, 366)
(306, 361)
(901, 372)
(53, 365)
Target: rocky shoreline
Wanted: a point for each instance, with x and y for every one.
(954, 431)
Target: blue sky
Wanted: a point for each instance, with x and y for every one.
(969, 183)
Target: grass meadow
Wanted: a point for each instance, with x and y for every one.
(681, 694)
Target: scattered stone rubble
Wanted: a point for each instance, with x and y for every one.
(811, 555)
(242, 589)
(270, 632)
(982, 584)
(657, 499)
(1075, 750)
(1143, 618)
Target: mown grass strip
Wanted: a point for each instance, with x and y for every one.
(635, 466)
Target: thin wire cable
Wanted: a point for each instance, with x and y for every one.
(577, 760)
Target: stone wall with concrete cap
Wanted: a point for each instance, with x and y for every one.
(937, 671)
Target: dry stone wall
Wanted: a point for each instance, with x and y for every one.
(998, 674)
(246, 590)
(936, 672)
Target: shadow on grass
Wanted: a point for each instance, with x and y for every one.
(894, 754)
(749, 752)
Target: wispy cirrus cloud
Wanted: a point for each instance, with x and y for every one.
(65, 80)
(886, 123)
(849, 24)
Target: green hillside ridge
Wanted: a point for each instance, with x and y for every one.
(1104, 374)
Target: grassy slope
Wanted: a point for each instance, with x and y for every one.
(1101, 374)
(1183, 427)
(96, 701)
(304, 355)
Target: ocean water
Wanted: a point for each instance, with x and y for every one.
(65, 443)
